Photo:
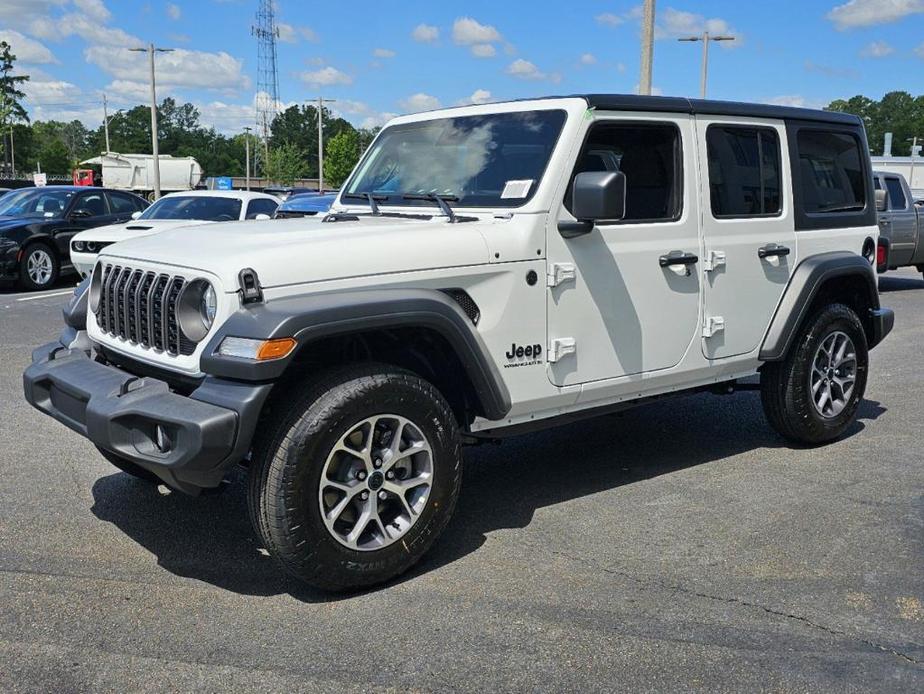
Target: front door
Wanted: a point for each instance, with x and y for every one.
(624, 298)
(750, 240)
(903, 223)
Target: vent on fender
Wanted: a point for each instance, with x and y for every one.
(467, 303)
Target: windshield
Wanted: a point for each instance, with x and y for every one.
(199, 207)
(35, 202)
(494, 160)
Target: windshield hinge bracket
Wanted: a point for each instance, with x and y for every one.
(560, 272)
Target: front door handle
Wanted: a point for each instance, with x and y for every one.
(772, 250)
(678, 258)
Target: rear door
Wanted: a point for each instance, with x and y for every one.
(748, 227)
(121, 207)
(902, 222)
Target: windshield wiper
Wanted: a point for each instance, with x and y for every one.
(440, 200)
(368, 197)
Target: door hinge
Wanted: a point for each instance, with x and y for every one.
(560, 272)
(714, 259)
(561, 347)
(713, 325)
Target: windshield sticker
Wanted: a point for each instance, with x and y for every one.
(517, 189)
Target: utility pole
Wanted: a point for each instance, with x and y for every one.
(914, 149)
(106, 121)
(648, 20)
(247, 130)
(321, 102)
(151, 50)
(705, 38)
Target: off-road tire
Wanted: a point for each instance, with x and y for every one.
(129, 467)
(25, 280)
(289, 455)
(785, 386)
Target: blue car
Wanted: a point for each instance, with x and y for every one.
(305, 205)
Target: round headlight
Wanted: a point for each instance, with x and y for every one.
(91, 246)
(96, 284)
(208, 306)
(78, 245)
(196, 309)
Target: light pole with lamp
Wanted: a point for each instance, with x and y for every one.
(151, 50)
(705, 38)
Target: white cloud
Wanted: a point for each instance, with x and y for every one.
(588, 59)
(19, 14)
(480, 96)
(27, 50)
(620, 67)
(181, 68)
(795, 100)
(292, 34)
(609, 19)
(95, 9)
(420, 102)
(383, 53)
(174, 11)
(128, 91)
(484, 50)
(325, 76)
(51, 91)
(863, 13)
(467, 31)
(93, 32)
(676, 23)
(231, 118)
(377, 120)
(525, 70)
(425, 33)
(877, 49)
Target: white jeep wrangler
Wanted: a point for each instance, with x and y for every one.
(486, 271)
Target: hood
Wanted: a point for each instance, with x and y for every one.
(296, 251)
(135, 228)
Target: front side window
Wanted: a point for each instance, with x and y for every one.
(121, 204)
(195, 207)
(896, 194)
(492, 160)
(92, 203)
(650, 157)
(35, 202)
(832, 172)
(744, 171)
(261, 206)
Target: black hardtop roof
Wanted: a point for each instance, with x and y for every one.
(679, 104)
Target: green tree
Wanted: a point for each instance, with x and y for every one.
(11, 96)
(54, 158)
(286, 164)
(298, 125)
(341, 156)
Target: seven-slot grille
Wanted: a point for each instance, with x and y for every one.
(140, 306)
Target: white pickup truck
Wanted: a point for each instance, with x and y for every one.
(901, 224)
(485, 271)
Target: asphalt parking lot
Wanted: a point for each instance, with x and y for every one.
(678, 546)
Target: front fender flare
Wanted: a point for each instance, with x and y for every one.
(312, 317)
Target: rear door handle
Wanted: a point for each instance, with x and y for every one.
(772, 250)
(678, 258)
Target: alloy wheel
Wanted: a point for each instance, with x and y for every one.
(39, 266)
(833, 375)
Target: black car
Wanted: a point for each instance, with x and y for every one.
(36, 226)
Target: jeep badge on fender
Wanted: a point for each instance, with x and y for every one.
(344, 360)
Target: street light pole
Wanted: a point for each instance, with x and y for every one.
(648, 17)
(321, 102)
(247, 130)
(705, 38)
(106, 122)
(151, 50)
(914, 147)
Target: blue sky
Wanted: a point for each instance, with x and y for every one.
(387, 57)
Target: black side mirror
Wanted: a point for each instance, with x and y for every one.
(882, 201)
(81, 213)
(595, 196)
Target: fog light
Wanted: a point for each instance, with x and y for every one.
(161, 440)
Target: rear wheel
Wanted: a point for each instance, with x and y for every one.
(812, 396)
(357, 480)
(39, 266)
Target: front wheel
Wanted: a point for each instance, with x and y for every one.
(354, 483)
(38, 268)
(812, 396)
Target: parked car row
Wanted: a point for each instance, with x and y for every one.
(53, 230)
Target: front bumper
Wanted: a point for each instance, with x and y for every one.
(187, 441)
(83, 262)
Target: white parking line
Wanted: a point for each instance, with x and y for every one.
(45, 296)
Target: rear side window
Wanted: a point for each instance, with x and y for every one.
(832, 172)
(121, 204)
(744, 171)
(650, 157)
(261, 206)
(897, 199)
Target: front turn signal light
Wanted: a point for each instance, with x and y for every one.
(257, 350)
